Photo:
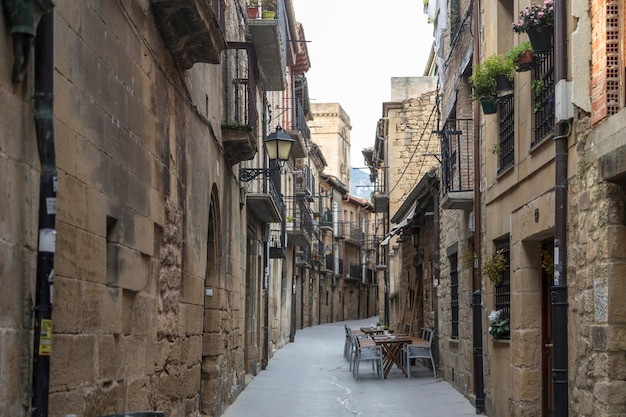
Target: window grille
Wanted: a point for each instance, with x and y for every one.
(506, 145)
(543, 97)
(454, 295)
(503, 288)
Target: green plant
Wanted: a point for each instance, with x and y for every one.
(537, 86)
(289, 219)
(547, 263)
(495, 267)
(483, 78)
(234, 125)
(269, 5)
(518, 50)
(499, 326)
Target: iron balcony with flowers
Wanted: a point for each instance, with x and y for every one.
(536, 16)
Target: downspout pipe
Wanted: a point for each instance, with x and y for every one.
(477, 302)
(559, 288)
(44, 127)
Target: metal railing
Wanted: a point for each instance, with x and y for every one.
(506, 143)
(457, 155)
(543, 97)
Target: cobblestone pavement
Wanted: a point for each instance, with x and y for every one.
(310, 378)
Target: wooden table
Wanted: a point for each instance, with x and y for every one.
(391, 347)
(370, 331)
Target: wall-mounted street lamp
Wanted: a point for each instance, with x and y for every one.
(278, 145)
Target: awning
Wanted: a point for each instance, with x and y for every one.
(398, 227)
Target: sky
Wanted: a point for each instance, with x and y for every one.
(355, 48)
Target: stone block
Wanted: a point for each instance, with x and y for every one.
(133, 356)
(139, 313)
(15, 355)
(610, 392)
(102, 309)
(525, 310)
(109, 354)
(127, 268)
(193, 290)
(71, 201)
(525, 348)
(193, 317)
(614, 234)
(617, 292)
(68, 304)
(211, 344)
(72, 363)
(139, 394)
(526, 383)
(66, 402)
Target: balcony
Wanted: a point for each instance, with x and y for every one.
(239, 130)
(300, 131)
(356, 272)
(264, 201)
(303, 257)
(299, 222)
(277, 244)
(191, 30)
(457, 154)
(326, 220)
(270, 42)
(355, 235)
(305, 183)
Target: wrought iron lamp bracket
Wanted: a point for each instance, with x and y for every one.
(248, 174)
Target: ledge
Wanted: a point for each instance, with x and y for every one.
(191, 31)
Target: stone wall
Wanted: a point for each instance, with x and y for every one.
(138, 168)
(597, 314)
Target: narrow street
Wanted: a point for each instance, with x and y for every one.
(310, 378)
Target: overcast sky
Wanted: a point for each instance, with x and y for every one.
(355, 48)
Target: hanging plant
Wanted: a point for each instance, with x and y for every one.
(547, 263)
(494, 268)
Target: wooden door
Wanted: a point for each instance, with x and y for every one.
(547, 275)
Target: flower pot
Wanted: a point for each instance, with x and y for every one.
(253, 12)
(268, 14)
(541, 38)
(489, 106)
(504, 87)
(525, 61)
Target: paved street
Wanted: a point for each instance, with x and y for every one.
(310, 378)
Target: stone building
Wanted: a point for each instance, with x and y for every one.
(548, 196)
(165, 296)
(404, 153)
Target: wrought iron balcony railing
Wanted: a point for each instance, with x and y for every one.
(457, 159)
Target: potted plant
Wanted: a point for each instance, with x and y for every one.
(537, 21)
(269, 9)
(522, 56)
(491, 79)
(495, 267)
(253, 9)
(499, 326)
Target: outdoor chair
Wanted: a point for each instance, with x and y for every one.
(367, 351)
(420, 352)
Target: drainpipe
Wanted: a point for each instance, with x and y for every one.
(44, 126)
(559, 288)
(477, 302)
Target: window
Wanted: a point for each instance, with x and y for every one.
(506, 144)
(543, 97)
(454, 295)
(503, 288)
